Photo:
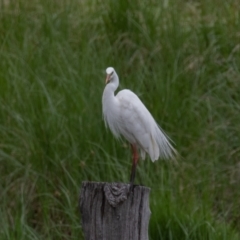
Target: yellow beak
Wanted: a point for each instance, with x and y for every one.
(107, 78)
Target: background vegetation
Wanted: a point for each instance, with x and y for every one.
(181, 57)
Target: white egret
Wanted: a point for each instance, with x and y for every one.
(126, 116)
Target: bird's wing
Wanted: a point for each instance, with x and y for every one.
(135, 121)
(137, 125)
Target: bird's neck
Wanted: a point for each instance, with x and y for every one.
(111, 87)
(108, 94)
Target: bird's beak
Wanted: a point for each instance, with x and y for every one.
(107, 79)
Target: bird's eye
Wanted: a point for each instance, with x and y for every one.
(111, 73)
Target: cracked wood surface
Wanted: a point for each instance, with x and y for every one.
(110, 211)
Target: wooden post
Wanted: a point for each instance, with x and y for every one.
(110, 211)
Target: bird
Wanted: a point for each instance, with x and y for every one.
(126, 116)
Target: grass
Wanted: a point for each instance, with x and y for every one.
(182, 59)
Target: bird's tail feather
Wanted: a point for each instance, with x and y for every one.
(153, 149)
(162, 146)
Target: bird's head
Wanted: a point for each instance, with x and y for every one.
(110, 73)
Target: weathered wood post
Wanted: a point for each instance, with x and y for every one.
(110, 211)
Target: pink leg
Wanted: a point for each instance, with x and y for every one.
(134, 162)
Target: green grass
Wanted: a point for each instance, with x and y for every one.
(181, 57)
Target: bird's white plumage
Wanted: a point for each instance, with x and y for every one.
(127, 116)
(109, 70)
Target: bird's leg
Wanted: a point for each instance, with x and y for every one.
(134, 163)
